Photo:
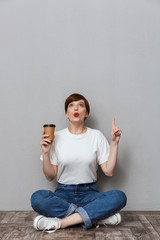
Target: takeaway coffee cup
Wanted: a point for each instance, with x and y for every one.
(49, 130)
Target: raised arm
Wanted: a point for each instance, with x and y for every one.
(108, 167)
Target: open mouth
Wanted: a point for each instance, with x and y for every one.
(76, 114)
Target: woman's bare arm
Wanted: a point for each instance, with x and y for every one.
(49, 169)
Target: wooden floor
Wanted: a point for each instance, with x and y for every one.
(135, 225)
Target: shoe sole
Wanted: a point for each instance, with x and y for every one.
(36, 220)
(119, 219)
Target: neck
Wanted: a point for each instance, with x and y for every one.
(77, 129)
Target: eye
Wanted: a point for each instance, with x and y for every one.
(81, 104)
(70, 105)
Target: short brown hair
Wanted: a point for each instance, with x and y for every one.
(76, 97)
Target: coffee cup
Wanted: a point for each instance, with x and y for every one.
(49, 130)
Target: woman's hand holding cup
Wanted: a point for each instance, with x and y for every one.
(47, 137)
(45, 143)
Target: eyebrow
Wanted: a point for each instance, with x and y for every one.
(79, 102)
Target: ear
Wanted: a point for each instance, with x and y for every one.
(86, 115)
(67, 115)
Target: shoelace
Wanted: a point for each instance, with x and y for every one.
(50, 225)
(47, 229)
(97, 225)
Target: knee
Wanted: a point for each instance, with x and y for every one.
(36, 199)
(122, 198)
(118, 198)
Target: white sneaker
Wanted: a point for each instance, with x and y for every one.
(46, 224)
(113, 220)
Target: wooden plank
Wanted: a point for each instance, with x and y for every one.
(139, 233)
(7, 217)
(155, 222)
(149, 228)
(115, 234)
(140, 225)
(130, 221)
(18, 232)
(63, 235)
(2, 215)
(149, 213)
(5, 232)
(100, 235)
(17, 216)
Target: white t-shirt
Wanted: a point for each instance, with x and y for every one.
(78, 156)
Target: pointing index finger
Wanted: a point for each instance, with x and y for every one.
(113, 122)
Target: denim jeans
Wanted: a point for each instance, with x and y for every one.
(84, 199)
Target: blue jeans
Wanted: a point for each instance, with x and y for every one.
(84, 199)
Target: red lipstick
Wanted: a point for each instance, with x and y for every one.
(76, 114)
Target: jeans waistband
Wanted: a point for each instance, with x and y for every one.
(82, 184)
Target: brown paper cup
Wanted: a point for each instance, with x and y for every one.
(49, 130)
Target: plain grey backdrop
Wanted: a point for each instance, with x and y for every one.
(108, 51)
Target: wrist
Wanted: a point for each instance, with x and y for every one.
(46, 154)
(114, 143)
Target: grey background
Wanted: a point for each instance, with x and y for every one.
(109, 51)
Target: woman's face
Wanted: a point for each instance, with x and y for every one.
(76, 111)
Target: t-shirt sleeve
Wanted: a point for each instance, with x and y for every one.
(103, 149)
(53, 158)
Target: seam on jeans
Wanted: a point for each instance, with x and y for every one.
(61, 198)
(61, 188)
(101, 194)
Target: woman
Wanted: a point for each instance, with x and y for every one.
(73, 157)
